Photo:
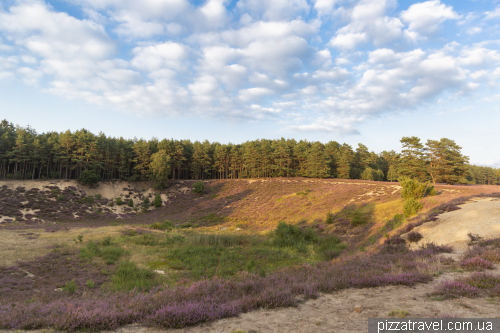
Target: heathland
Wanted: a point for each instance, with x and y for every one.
(324, 253)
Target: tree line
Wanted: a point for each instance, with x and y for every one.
(26, 154)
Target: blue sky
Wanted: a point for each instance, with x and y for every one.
(368, 71)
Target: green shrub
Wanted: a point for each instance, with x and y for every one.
(60, 197)
(70, 287)
(411, 207)
(198, 187)
(128, 276)
(165, 225)
(130, 203)
(431, 191)
(157, 201)
(98, 196)
(160, 185)
(119, 201)
(89, 177)
(329, 218)
(287, 235)
(54, 191)
(145, 204)
(89, 200)
(90, 251)
(90, 283)
(412, 189)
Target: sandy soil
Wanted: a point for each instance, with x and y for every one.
(479, 216)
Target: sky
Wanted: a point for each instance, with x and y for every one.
(369, 71)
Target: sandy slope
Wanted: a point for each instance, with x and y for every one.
(479, 216)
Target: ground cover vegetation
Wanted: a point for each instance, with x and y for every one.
(101, 300)
(26, 154)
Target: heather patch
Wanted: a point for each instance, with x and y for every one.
(476, 264)
(476, 285)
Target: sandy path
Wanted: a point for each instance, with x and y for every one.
(480, 216)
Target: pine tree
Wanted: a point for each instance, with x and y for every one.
(412, 159)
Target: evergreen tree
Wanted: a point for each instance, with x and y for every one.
(412, 162)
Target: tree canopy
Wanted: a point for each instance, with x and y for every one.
(26, 154)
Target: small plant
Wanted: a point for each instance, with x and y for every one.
(329, 218)
(414, 237)
(60, 197)
(119, 201)
(199, 187)
(98, 196)
(130, 203)
(398, 313)
(79, 238)
(213, 196)
(54, 191)
(70, 287)
(145, 204)
(90, 283)
(157, 201)
(306, 192)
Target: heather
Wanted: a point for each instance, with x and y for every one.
(211, 299)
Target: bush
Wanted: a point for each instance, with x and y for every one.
(106, 241)
(165, 225)
(157, 201)
(119, 201)
(89, 177)
(431, 191)
(412, 189)
(160, 185)
(199, 187)
(411, 207)
(60, 197)
(329, 218)
(98, 196)
(90, 283)
(130, 203)
(70, 286)
(414, 237)
(145, 204)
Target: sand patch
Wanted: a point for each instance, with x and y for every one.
(479, 216)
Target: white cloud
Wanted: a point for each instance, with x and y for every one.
(495, 14)
(154, 57)
(425, 18)
(368, 22)
(474, 30)
(254, 94)
(273, 10)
